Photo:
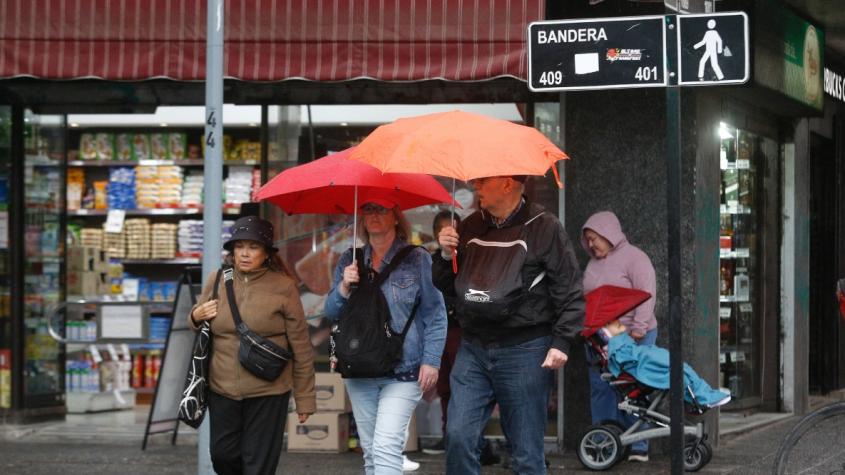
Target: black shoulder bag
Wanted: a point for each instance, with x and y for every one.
(194, 400)
(257, 354)
(363, 345)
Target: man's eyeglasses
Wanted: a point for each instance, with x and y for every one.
(374, 209)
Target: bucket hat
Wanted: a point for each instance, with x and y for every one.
(251, 228)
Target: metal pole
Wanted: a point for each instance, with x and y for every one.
(213, 176)
(673, 219)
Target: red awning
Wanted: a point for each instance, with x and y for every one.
(267, 40)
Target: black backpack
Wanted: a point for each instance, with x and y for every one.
(363, 344)
(489, 287)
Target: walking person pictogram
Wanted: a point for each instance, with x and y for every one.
(712, 43)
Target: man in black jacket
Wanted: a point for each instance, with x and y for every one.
(519, 302)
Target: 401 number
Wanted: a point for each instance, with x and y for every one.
(646, 73)
(551, 78)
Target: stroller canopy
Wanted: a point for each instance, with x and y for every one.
(607, 303)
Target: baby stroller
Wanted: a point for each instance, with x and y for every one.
(603, 445)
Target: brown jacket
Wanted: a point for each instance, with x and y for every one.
(269, 304)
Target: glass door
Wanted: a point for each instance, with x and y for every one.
(743, 296)
(44, 149)
(5, 291)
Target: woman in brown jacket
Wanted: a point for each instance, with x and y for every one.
(248, 414)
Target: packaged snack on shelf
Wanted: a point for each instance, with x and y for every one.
(178, 144)
(105, 146)
(251, 151)
(91, 237)
(141, 147)
(75, 188)
(123, 144)
(158, 146)
(194, 152)
(87, 147)
(100, 195)
(121, 189)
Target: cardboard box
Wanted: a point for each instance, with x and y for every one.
(84, 283)
(5, 379)
(412, 444)
(331, 394)
(322, 432)
(86, 259)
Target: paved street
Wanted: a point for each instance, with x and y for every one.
(44, 452)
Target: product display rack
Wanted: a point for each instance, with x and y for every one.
(144, 352)
(739, 281)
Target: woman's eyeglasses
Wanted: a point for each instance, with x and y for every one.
(374, 209)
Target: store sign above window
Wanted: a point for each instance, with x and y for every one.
(643, 51)
(834, 85)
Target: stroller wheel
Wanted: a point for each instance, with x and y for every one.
(696, 456)
(613, 425)
(600, 447)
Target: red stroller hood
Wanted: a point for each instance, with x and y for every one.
(607, 303)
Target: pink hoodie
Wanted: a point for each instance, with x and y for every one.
(624, 266)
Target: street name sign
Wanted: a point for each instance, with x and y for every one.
(713, 49)
(599, 53)
(628, 52)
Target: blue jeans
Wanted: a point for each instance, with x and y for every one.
(604, 399)
(511, 376)
(382, 409)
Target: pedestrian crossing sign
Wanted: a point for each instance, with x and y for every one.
(713, 49)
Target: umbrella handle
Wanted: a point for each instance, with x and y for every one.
(455, 261)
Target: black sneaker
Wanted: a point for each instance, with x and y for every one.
(488, 456)
(438, 448)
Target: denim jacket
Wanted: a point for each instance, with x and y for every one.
(427, 335)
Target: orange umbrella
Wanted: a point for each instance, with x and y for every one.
(459, 145)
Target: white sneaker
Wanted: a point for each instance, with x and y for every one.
(409, 465)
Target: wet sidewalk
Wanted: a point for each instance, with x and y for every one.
(81, 445)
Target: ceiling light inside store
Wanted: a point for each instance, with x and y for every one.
(343, 124)
(74, 124)
(724, 131)
(253, 124)
(163, 124)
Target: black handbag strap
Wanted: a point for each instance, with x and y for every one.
(228, 279)
(393, 264)
(382, 276)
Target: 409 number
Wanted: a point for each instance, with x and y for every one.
(551, 78)
(646, 73)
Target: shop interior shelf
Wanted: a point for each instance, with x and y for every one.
(41, 160)
(195, 162)
(176, 260)
(137, 212)
(132, 163)
(228, 208)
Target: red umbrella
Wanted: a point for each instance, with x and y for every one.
(335, 185)
(607, 303)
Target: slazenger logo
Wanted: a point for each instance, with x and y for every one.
(477, 296)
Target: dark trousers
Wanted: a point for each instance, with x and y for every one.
(450, 352)
(246, 435)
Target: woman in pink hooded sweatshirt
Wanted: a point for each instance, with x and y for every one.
(614, 261)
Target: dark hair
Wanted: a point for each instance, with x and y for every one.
(444, 214)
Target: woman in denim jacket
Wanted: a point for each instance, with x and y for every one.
(383, 406)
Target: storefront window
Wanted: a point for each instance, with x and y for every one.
(742, 157)
(44, 250)
(5, 291)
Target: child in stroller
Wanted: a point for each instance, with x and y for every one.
(641, 376)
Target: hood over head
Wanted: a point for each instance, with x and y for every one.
(606, 224)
